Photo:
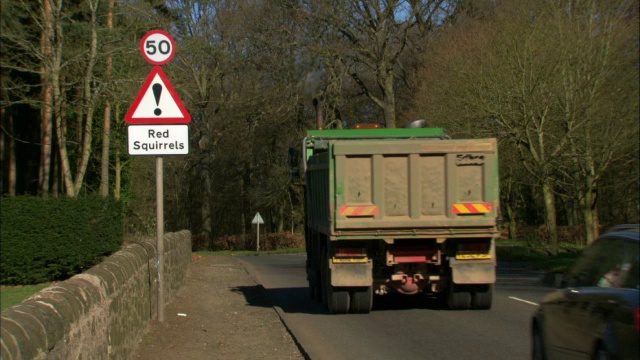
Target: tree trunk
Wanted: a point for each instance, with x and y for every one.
(3, 141)
(512, 223)
(589, 214)
(118, 170)
(88, 96)
(550, 214)
(106, 135)
(317, 104)
(243, 221)
(62, 148)
(205, 208)
(11, 173)
(46, 140)
(46, 127)
(55, 177)
(281, 219)
(389, 103)
(104, 160)
(53, 72)
(7, 140)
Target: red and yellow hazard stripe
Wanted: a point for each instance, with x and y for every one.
(359, 210)
(471, 208)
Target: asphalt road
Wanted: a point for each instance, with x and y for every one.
(402, 327)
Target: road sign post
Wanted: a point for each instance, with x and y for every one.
(160, 236)
(257, 220)
(158, 127)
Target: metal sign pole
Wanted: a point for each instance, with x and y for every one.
(258, 242)
(160, 236)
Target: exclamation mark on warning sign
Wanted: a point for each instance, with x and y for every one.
(157, 91)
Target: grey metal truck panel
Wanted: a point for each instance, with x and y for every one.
(351, 274)
(380, 185)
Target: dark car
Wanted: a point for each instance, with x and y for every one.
(596, 313)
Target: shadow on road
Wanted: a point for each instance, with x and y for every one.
(290, 300)
(298, 300)
(511, 277)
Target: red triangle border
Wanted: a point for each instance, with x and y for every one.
(157, 70)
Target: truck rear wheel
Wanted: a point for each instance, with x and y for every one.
(481, 297)
(336, 298)
(361, 300)
(315, 283)
(315, 289)
(458, 298)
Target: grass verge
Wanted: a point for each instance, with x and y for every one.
(14, 295)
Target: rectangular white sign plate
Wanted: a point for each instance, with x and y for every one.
(156, 140)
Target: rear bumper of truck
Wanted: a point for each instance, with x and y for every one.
(351, 274)
(473, 271)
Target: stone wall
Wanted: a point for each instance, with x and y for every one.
(101, 313)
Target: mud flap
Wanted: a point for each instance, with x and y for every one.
(473, 271)
(351, 274)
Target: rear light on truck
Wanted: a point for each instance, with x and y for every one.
(636, 320)
(350, 255)
(350, 252)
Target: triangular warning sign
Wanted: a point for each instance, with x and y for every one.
(157, 102)
(257, 219)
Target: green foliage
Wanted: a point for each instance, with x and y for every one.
(537, 255)
(53, 239)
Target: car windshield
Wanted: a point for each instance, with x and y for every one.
(611, 262)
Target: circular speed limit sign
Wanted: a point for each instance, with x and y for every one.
(157, 47)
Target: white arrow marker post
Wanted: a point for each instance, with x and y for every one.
(257, 220)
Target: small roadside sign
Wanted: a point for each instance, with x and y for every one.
(157, 47)
(158, 140)
(257, 219)
(157, 102)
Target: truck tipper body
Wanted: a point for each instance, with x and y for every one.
(399, 210)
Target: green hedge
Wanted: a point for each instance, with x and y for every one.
(52, 239)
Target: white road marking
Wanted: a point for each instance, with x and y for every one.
(522, 300)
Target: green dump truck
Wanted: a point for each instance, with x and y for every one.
(399, 210)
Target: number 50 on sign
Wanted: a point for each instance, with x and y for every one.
(157, 47)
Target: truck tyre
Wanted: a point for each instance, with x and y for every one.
(458, 298)
(315, 290)
(336, 299)
(481, 297)
(315, 283)
(361, 300)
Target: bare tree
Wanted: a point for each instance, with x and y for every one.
(540, 78)
(369, 39)
(106, 130)
(595, 90)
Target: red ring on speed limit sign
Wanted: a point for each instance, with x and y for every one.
(157, 47)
